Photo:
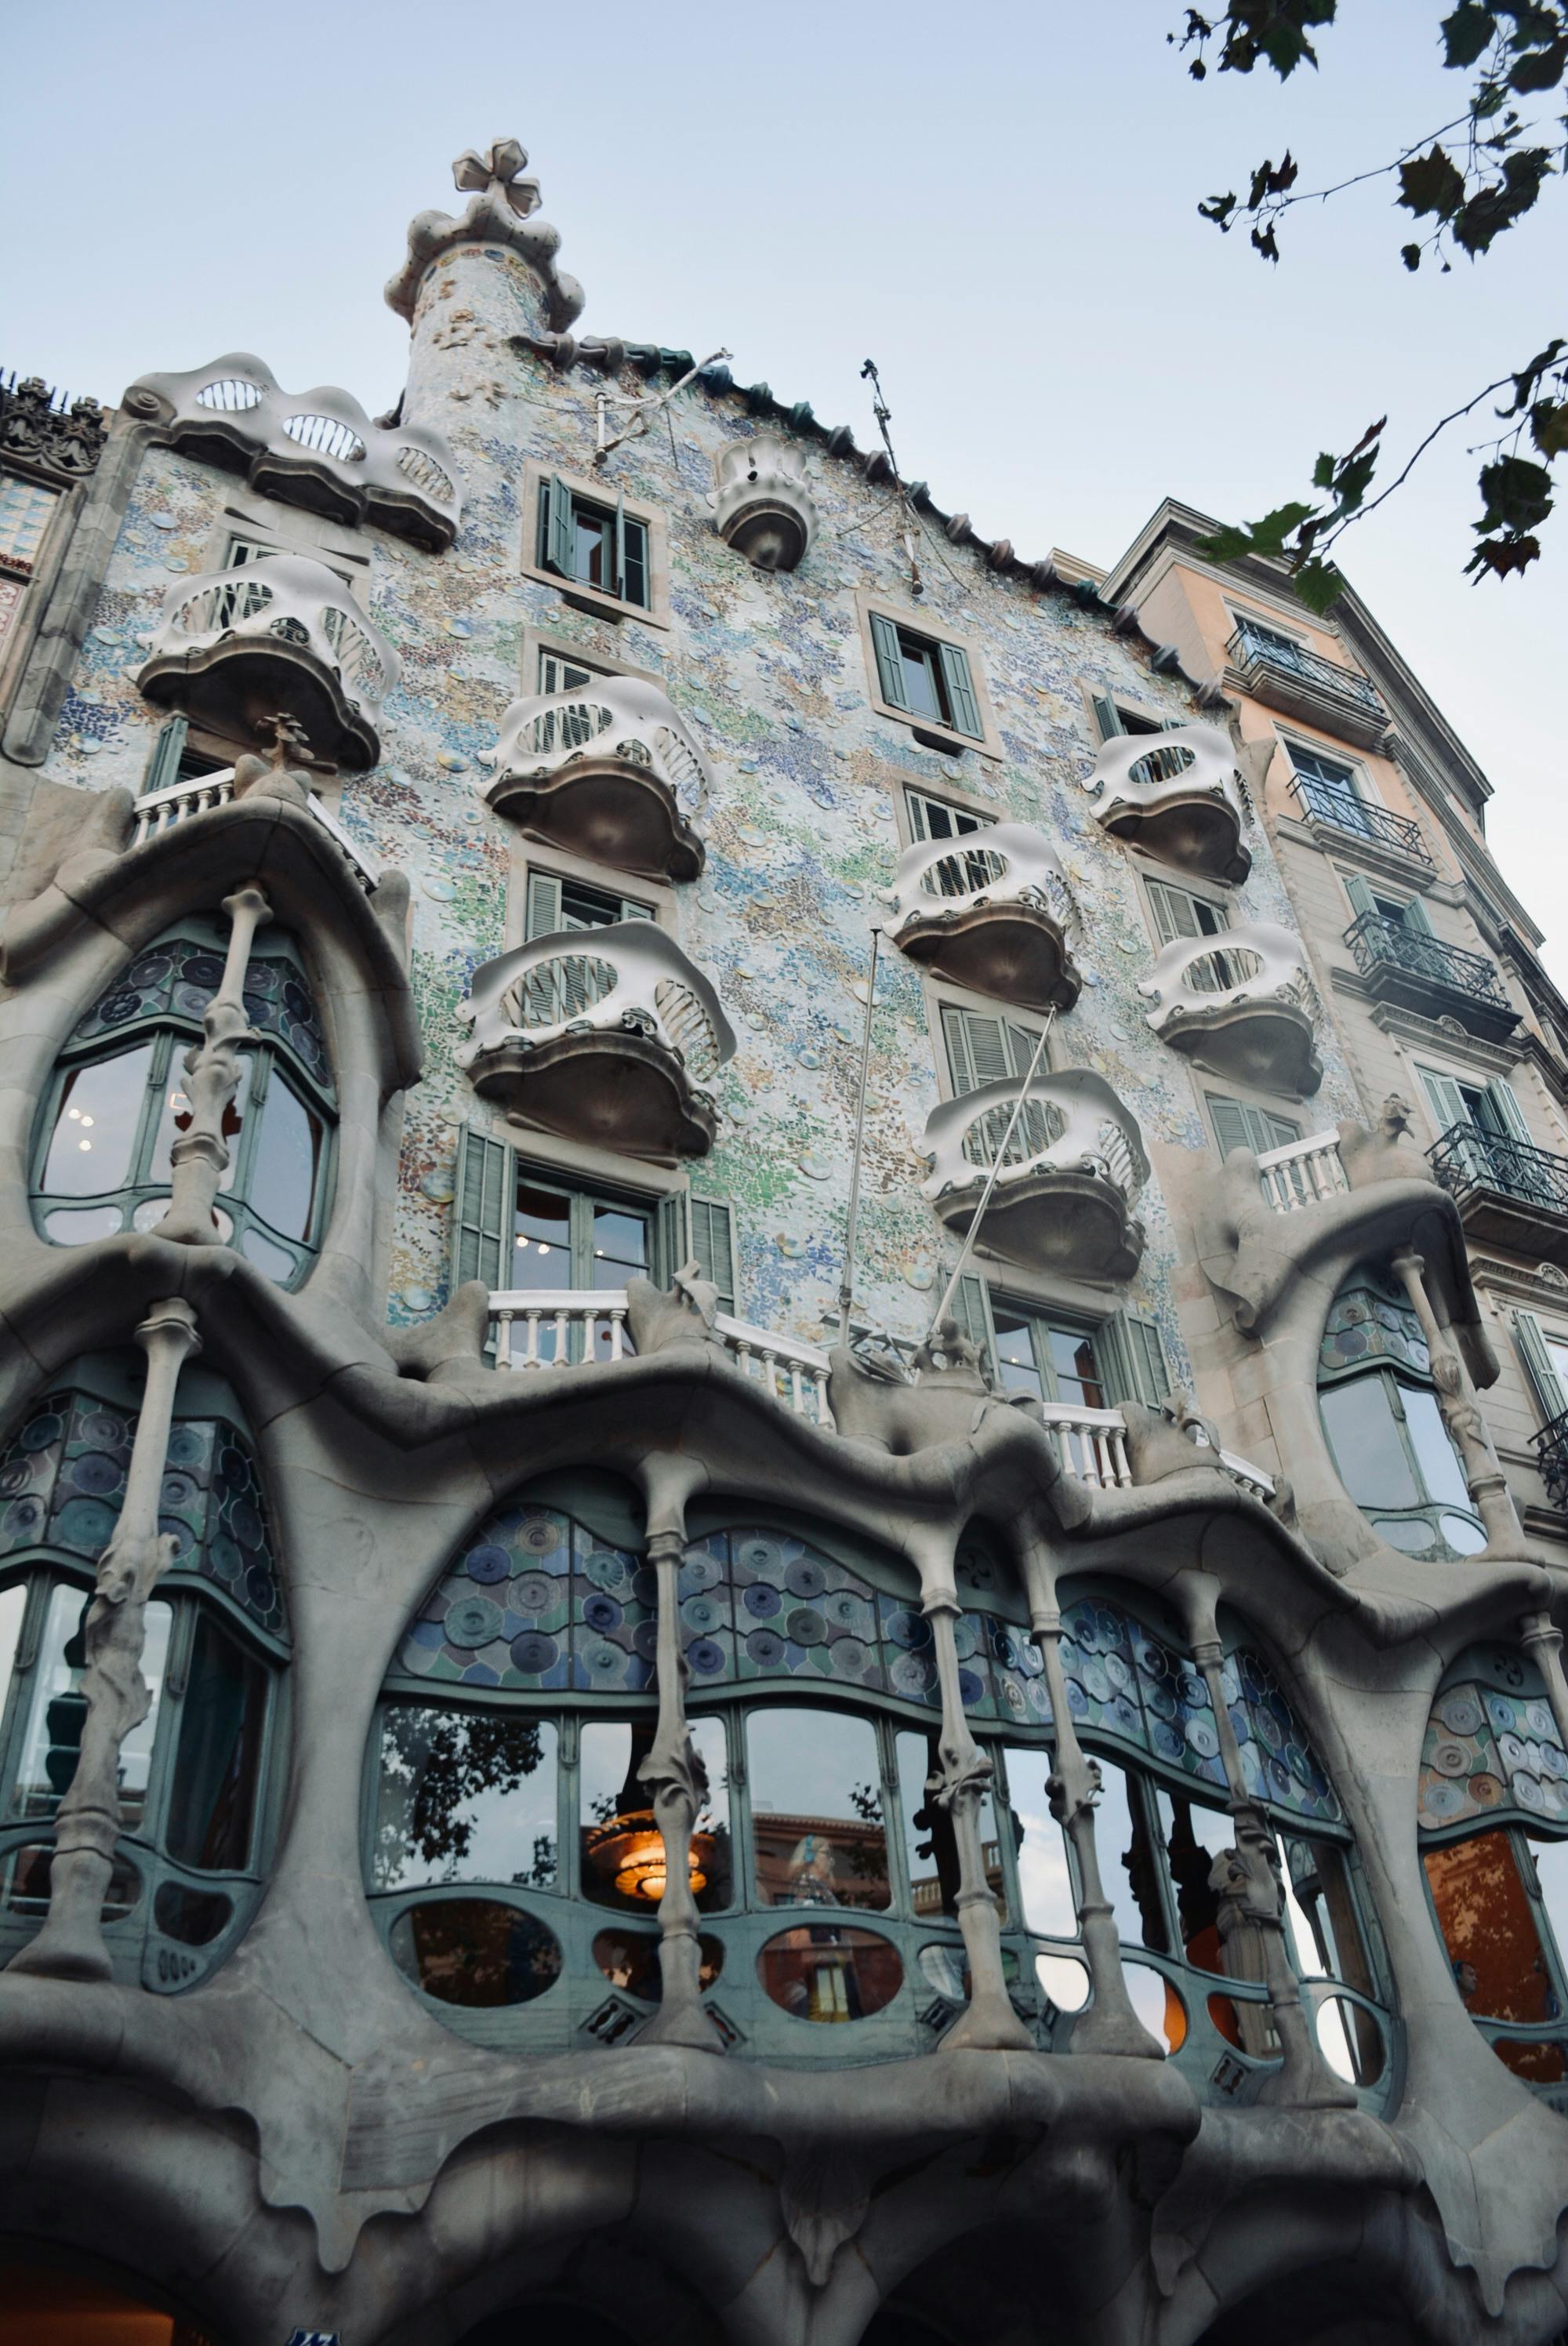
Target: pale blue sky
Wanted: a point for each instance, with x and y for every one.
(996, 202)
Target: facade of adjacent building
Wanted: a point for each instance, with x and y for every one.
(555, 1782)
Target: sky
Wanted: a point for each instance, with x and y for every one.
(997, 203)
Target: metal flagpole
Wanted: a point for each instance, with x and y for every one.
(846, 1286)
(996, 1164)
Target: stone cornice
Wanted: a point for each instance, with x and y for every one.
(1545, 1284)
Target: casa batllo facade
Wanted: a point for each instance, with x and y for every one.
(554, 1783)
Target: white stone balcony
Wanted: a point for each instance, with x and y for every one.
(608, 1035)
(282, 633)
(1175, 795)
(1242, 1005)
(989, 911)
(320, 450)
(1069, 1177)
(1302, 1172)
(157, 811)
(606, 771)
(761, 505)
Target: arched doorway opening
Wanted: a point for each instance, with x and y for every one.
(46, 2304)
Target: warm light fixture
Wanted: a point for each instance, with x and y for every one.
(629, 1850)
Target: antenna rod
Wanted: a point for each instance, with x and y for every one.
(883, 414)
(847, 1284)
(644, 408)
(996, 1164)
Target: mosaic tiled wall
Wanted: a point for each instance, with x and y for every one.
(1492, 1745)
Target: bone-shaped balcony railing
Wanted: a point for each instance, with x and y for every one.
(605, 768)
(156, 812)
(1175, 793)
(320, 450)
(1241, 1003)
(1068, 1177)
(989, 910)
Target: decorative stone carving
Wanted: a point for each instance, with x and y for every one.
(1175, 795)
(990, 910)
(200, 1155)
(273, 776)
(1064, 1197)
(606, 771)
(65, 445)
(683, 1313)
(500, 212)
(761, 505)
(1242, 1005)
(873, 1401)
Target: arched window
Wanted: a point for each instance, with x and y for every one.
(1385, 1430)
(116, 1107)
(193, 1774)
(516, 1868)
(1492, 1812)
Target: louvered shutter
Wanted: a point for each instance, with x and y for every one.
(961, 697)
(1278, 1131)
(544, 912)
(1551, 1395)
(1358, 892)
(1107, 716)
(919, 815)
(561, 533)
(1510, 1114)
(163, 766)
(713, 1244)
(1175, 914)
(1132, 1360)
(984, 1050)
(889, 662)
(1414, 918)
(970, 1307)
(1231, 1127)
(483, 1208)
(1446, 1097)
(673, 1248)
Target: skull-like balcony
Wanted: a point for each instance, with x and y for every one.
(282, 634)
(1175, 795)
(761, 505)
(320, 450)
(1241, 1004)
(608, 1036)
(1070, 1174)
(989, 911)
(606, 771)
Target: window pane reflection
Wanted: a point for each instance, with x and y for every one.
(621, 1848)
(817, 1811)
(1129, 1864)
(12, 1605)
(175, 1114)
(1489, 1928)
(95, 1125)
(1043, 1876)
(1435, 1453)
(287, 1161)
(465, 1796)
(1365, 1440)
(52, 1741)
(1193, 1837)
(221, 1719)
(930, 1844)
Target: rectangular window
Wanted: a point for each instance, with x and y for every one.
(934, 818)
(593, 545)
(1112, 719)
(1047, 1357)
(982, 1048)
(24, 512)
(1178, 914)
(555, 903)
(1237, 1126)
(925, 678)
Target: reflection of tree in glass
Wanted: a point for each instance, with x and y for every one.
(868, 1858)
(450, 1758)
(542, 1874)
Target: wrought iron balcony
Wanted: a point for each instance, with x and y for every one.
(1302, 683)
(1175, 796)
(1421, 974)
(1509, 1193)
(1319, 802)
(280, 634)
(1069, 1177)
(1242, 1005)
(320, 450)
(989, 911)
(608, 1036)
(1552, 1455)
(605, 771)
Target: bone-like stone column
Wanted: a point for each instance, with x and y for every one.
(201, 1156)
(70, 1946)
(1462, 1416)
(1110, 2025)
(676, 1782)
(1304, 2080)
(1540, 1637)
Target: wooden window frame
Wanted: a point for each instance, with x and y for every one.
(577, 592)
(932, 630)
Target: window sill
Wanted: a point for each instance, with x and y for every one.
(591, 601)
(934, 737)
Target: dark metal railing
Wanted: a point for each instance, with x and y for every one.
(1295, 659)
(1552, 1456)
(1379, 942)
(1346, 811)
(1468, 1158)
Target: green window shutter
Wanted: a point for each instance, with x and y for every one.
(1107, 716)
(1175, 914)
(560, 536)
(713, 1244)
(960, 695)
(1278, 1131)
(543, 915)
(982, 1050)
(919, 826)
(1144, 1360)
(621, 544)
(1414, 918)
(163, 766)
(1545, 1383)
(971, 1309)
(889, 662)
(1358, 892)
(483, 1209)
(1446, 1098)
(672, 1238)
(1510, 1114)
(1234, 1126)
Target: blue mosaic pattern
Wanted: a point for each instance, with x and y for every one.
(1279, 1763)
(62, 1486)
(1491, 1747)
(1369, 1321)
(177, 979)
(1123, 1680)
(535, 1605)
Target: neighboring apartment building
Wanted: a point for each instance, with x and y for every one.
(549, 1786)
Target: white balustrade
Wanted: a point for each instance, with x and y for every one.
(158, 810)
(1302, 1171)
(1091, 1444)
(631, 973)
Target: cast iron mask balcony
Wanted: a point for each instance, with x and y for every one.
(606, 771)
(608, 1035)
(320, 450)
(1064, 1197)
(1175, 795)
(1407, 966)
(989, 911)
(1242, 1005)
(1509, 1193)
(1552, 1455)
(1303, 684)
(280, 634)
(1344, 811)
(762, 505)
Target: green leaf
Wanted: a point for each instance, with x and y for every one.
(1350, 484)
(1467, 32)
(1549, 426)
(1431, 183)
(1540, 68)
(1265, 538)
(1411, 254)
(1218, 210)
(1517, 494)
(1323, 472)
(1495, 209)
(1503, 554)
(1318, 583)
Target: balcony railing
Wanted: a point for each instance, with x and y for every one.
(1552, 1455)
(1241, 1004)
(989, 910)
(1385, 947)
(1246, 646)
(1302, 1172)
(1465, 1157)
(606, 771)
(156, 812)
(1071, 1164)
(1303, 684)
(1319, 802)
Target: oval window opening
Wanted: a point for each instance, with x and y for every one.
(830, 1972)
(1158, 2006)
(475, 1952)
(629, 1960)
(1349, 2039)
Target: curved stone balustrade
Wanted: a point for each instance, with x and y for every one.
(1242, 1005)
(989, 911)
(319, 450)
(1175, 795)
(762, 507)
(282, 634)
(606, 771)
(608, 1036)
(1064, 1197)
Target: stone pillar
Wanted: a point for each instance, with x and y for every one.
(70, 1946)
(1110, 2025)
(1462, 1415)
(1540, 1637)
(676, 1782)
(1252, 1893)
(201, 1156)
